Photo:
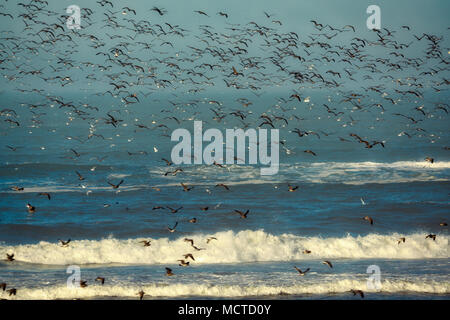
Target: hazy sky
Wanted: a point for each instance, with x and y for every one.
(426, 16)
(295, 15)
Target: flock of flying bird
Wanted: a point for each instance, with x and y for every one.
(126, 58)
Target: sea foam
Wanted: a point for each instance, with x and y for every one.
(231, 247)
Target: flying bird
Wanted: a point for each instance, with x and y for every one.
(31, 209)
(169, 272)
(45, 194)
(146, 243)
(64, 243)
(208, 240)
(431, 236)
(355, 292)
(302, 273)
(242, 214)
(173, 229)
(101, 279)
(189, 255)
(367, 218)
(115, 186)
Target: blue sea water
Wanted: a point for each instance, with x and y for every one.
(252, 257)
(406, 196)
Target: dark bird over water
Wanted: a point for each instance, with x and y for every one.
(367, 218)
(64, 243)
(30, 208)
(431, 236)
(101, 279)
(242, 214)
(169, 272)
(115, 186)
(45, 194)
(302, 273)
(355, 292)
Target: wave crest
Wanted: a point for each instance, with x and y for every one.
(208, 290)
(231, 247)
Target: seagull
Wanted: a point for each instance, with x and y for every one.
(400, 240)
(169, 272)
(362, 202)
(80, 177)
(355, 292)
(12, 291)
(218, 165)
(141, 294)
(302, 273)
(64, 243)
(146, 243)
(242, 214)
(183, 263)
(83, 284)
(310, 152)
(429, 159)
(44, 194)
(185, 187)
(161, 12)
(201, 12)
(3, 286)
(10, 257)
(101, 279)
(306, 251)
(174, 210)
(223, 185)
(210, 239)
(368, 219)
(30, 208)
(292, 188)
(189, 255)
(115, 186)
(431, 236)
(174, 227)
(328, 263)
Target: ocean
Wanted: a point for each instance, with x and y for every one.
(252, 257)
(74, 141)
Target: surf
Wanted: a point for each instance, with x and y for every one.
(231, 247)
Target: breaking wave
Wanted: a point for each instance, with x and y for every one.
(208, 290)
(231, 247)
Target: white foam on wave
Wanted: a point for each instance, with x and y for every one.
(211, 290)
(403, 165)
(351, 173)
(231, 247)
(79, 188)
(118, 175)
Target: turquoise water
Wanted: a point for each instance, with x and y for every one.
(64, 129)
